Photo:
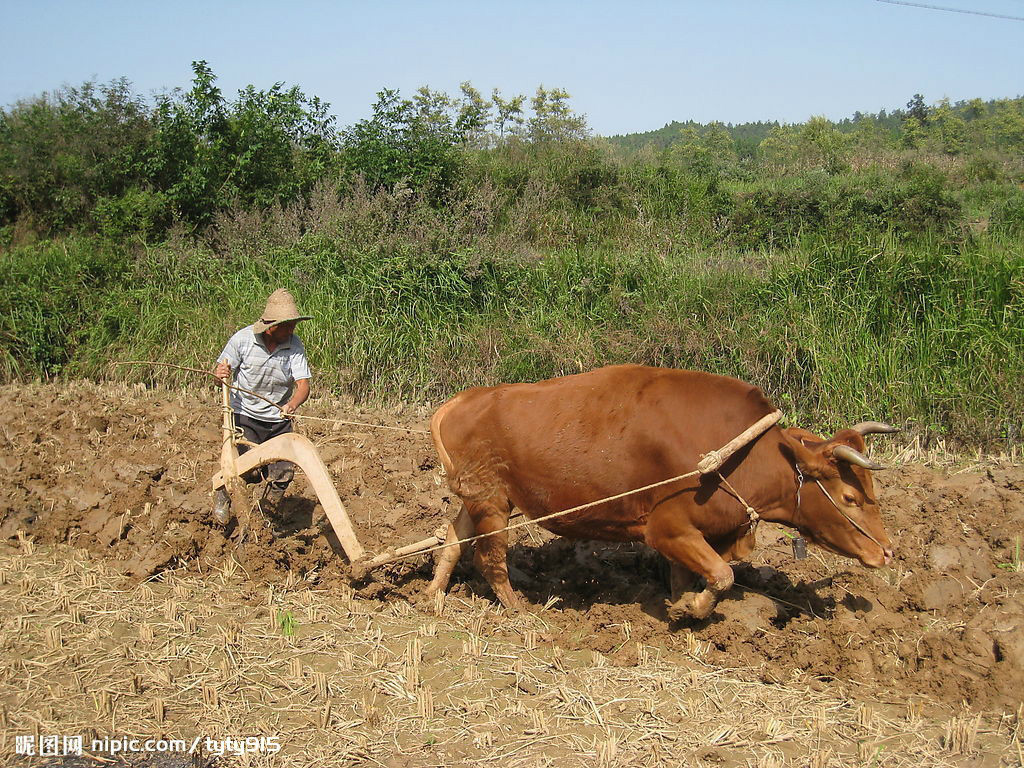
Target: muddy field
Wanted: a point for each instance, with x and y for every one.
(810, 662)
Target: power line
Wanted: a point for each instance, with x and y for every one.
(952, 10)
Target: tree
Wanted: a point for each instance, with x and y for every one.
(780, 149)
(433, 109)
(474, 115)
(510, 113)
(719, 145)
(948, 129)
(913, 133)
(705, 154)
(686, 151)
(62, 152)
(975, 109)
(917, 109)
(1008, 123)
(824, 145)
(404, 141)
(870, 137)
(265, 147)
(553, 119)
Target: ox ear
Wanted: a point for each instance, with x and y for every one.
(811, 455)
(804, 436)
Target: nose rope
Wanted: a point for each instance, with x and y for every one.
(853, 522)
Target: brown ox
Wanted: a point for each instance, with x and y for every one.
(561, 443)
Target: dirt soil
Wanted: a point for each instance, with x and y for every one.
(123, 472)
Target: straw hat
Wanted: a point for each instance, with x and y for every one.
(280, 309)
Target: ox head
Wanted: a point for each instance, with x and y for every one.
(837, 507)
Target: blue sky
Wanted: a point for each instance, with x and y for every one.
(629, 66)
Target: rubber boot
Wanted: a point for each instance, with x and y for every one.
(272, 496)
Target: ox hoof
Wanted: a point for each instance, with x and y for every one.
(511, 604)
(687, 610)
(429, 601)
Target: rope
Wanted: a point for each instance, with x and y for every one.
(852, 522)
(534, 520)
(266, 400)
(751, 512)
(360, 424)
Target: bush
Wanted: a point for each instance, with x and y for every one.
(923, 200)
(56, 292)
(845, 207)
(984, 168)
(62, 152)
(137, 213)
(779, 213)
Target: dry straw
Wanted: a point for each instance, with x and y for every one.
(370, 686)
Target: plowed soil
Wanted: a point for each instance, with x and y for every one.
(123, 472)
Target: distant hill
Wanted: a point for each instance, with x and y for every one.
(747, 136)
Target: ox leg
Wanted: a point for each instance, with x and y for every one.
(680, 580)
(491, 552)
(690, 551)
(448, 558)
(738, 549)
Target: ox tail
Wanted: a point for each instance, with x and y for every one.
(435, 434)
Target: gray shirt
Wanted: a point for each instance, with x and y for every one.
(272, 374)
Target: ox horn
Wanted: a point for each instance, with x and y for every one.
(853, 456)
(874, 428)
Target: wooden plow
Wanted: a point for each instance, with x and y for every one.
(291, 447)
(300, 451)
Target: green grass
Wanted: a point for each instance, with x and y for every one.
(915, 333)
(287, 623)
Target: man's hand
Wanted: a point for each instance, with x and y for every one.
(223, 372)
(300, 396)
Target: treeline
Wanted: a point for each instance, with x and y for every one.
(446, 241)
(1000, 119)
(101, 159)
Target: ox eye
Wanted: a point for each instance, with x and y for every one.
(849, 498)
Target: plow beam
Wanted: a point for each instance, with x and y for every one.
(301, 452)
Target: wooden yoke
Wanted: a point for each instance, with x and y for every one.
(301, 452)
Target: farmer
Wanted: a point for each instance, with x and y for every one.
(269, 359)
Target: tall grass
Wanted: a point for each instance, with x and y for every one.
(875, 328)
